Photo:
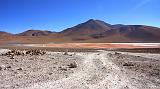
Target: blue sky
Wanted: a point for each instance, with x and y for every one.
(56, 15)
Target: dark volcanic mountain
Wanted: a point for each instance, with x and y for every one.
(35, 33)
(87, 28)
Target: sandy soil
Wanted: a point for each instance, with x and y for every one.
(95, 70)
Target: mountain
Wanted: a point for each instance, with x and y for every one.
(134, 33)
(100, 31)
(87, 28)
(35, 33)
(89, 31)
(2, 34)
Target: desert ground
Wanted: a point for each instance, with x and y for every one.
(94, 45)
(100, 69)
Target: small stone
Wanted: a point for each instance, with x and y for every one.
(66, 76)
(66, 52)
(15, 72)
(73, 65)
(31, 58)
(116, 53)
(64, 69)
(1, 68)
(128, 64)
(50, 73)
(8, 67)
(12, 57)
(19, 69)
(16, 60)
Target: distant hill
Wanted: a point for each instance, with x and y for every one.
(3, 34)
(90, 31)
(35, 33)
(134, 33)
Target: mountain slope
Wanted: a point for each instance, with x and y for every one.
(87, 28)
(89, 31)
(134, 33)
(100, 31)
(2, 34)
(35, 33)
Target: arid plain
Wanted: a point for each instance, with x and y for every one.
(90, 55)
(108, 66)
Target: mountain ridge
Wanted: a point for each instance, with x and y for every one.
(95, 31)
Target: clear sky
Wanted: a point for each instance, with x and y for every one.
(56, 15)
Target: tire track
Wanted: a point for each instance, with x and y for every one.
(96, 72)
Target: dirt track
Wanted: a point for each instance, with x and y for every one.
(98, 70)
(105, 71)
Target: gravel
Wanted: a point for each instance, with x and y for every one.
(80, 70)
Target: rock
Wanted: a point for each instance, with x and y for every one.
(116, 53)
(16, 60)
(19, 69)
(8, 67)
(15, 52)
(128, 64)
(66, 52)
(72, 65)
(50, 73)
(64, 69)
(12, 57)
(31, 59)
(1, 68)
